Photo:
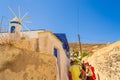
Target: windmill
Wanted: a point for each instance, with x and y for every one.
(16, 23)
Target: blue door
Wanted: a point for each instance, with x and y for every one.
(12, 29)
(55, 52)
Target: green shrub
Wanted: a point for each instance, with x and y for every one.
(84, 54)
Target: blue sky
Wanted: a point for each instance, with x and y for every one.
(99, 20)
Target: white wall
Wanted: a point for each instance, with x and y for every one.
(47, 42)
(30, 34)
(16, 37)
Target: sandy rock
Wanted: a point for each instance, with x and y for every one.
(107, 62)
(18, 64)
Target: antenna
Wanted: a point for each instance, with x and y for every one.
(1, 24)
(1, 21)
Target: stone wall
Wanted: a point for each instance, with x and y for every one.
(28, 44)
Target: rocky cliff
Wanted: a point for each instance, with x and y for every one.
(107, 62)
(19, 64)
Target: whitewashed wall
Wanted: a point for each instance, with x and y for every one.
(47, 42)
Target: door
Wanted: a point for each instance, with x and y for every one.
(56, 54)
(12, 29)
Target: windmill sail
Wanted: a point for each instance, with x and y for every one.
(16, 23)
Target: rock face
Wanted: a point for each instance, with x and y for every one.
(18, 64)
(107, 62)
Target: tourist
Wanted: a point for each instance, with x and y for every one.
(82, 75)
(88, 72)
(83, 66)
(74, 71)
(93, 72)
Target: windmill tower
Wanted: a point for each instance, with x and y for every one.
(16, 24)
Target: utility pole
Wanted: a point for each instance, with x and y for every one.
(80, 45)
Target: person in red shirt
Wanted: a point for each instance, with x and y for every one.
(93, 70)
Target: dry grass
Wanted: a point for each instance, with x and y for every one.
(90, 48)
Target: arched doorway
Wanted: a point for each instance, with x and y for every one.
(12, 30)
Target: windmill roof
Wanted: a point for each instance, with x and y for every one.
(15, 19)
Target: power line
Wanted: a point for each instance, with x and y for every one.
(80, 46)
(78, 16)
